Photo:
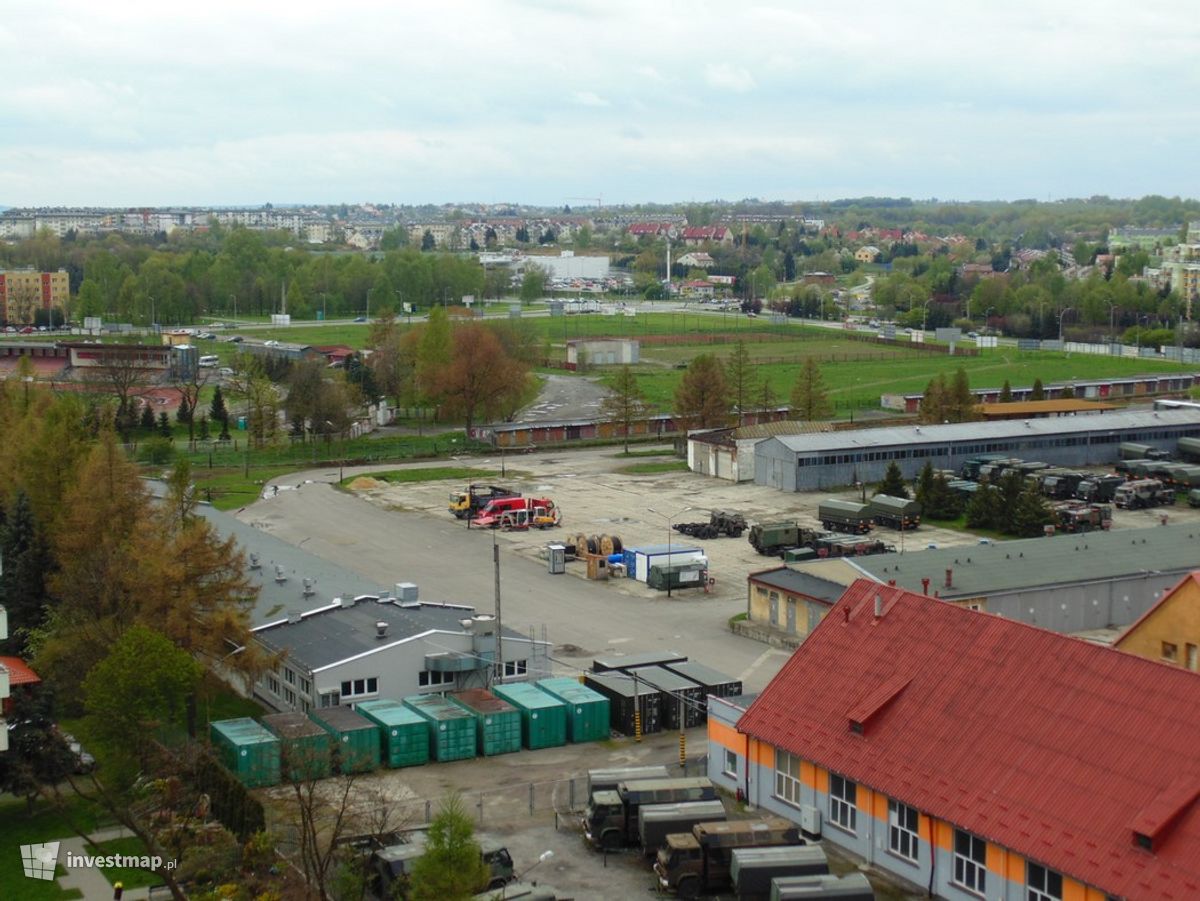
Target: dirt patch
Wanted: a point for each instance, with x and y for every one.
(366, 483)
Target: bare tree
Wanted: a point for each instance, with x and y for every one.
(123, 372)
(189, 385)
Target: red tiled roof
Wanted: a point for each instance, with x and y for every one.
(704, 233)
(1047, 745)
(19, 672)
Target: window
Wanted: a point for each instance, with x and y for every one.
(356, 687)
(304, 686)
(1042, 884)
(1170, 651)
(730, 763)
(842, 809)
(289, 676)
(902, 830)
(273, 685)
(787, 777)
(970, 861)
(516, 667)
(434, 677)
(289, 696)
(1191, 656)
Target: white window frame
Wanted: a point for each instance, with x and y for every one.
(787, 778)
(731, 760)
(516, 667)
(360, 688)
(969, 871)
(843, 803)
(904, 824)
(1037, 883)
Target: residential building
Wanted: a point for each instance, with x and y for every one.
(976, 757)
(1066, 583)
(697, 288)
(695, 236)
(868, 254)
(1088, 389)
(25, 291)
(787, 604)
(697, 259)
(376, 646)
(5, 679)
(1169, 631)
(812, 462)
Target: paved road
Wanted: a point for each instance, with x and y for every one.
(565, 397)
(451, 563)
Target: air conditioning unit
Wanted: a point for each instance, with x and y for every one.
(810, 820)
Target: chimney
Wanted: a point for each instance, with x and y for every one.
(381, 629)
(845, 614)
(878, 606)
(925, 586)
(949, 578)
(891, 583)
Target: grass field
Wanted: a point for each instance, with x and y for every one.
(129, 878)
(439, 473)
(643, 469)
(45, 824)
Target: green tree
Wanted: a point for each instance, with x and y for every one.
(434, 353)
(216, 409)
(983, 509)
(202, 428)
(809, 399)
(25, 562)
(702, 397)
(934, 494)
(893, 484)
(935, 402)
(147, 418)
(741, 378)
(1067, 393)
(961, 405)
(1031, 513)
(533, 284)
(624, 404)
(90, 301)
(452, 867)
(427, 241)
(1006, 393)
(164, 424)
(1038, 392)
(141, 685)
(766, 400)
(394, 238)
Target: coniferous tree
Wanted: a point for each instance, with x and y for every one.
(164, 424)
(893, 484)
(1038, 392)
(216, 410)
(702, 396)
(184, 414)
(934, 402)
(27, 562)
(1031, 514)
(202, 428)
(983, 509)
(1006, 393)
(809, 399)
(741, 378)
(147, 420)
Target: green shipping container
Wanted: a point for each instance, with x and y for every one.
(497, 722)
(304, 747)
(355, 739)
(403, 733)
(543, 718)
(451, 734)
(248, 750)
(587, 710)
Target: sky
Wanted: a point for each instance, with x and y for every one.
(221, 103)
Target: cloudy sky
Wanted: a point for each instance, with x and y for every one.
(546, 101)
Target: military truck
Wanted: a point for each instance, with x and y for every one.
(971, 466)
(1129, 450)
(475, 498)
(1098, 489)
(391, 868)
(1142, 493)
(697, 862)
(611, 817)
(992, 472)
(773, 538)
(719, 523)
(1076, 517)
(844, 516)
(1060, 483)
(753, 869)
(895, 512)
(609, 779)
(657, 821)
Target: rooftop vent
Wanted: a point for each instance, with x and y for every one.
(254, 564)
(308, 591)
(381, 629)
(280, 576)
(294, 616)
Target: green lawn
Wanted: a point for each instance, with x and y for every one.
(230, 488)
(642, 469)
(130, 878)
(46, 824)
(438, 473)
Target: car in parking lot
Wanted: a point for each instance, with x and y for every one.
(360, 318)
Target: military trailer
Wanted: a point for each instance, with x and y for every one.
(850, 887)
(1060, 484)
(773, 538)
(752, 869)
(611, 817)
(1189, 448)
(657, 821)
(895, 512)
(844, 516)
(697, 863)
(608, 780)
(1193, 497)
(1129, 450)
(970, 468)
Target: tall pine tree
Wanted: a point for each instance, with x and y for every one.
(893, 484)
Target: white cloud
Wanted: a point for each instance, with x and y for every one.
(589, 98)
(727, 77)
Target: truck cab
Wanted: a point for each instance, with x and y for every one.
(604, 822)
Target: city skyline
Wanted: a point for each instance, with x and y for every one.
(547, 104)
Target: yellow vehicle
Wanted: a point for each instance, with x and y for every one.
(475, 498)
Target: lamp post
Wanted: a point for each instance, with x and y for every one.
(668, 518)
(542, 858)
(1062, 314)
(1112, 308)
(233, 297)
(924, 316)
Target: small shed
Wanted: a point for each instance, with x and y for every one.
(587, 710)
(304, 747)
(248, 750)
(543, 717)
(355, 739)
(403, 733)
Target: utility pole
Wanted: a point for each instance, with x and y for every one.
(499, 627)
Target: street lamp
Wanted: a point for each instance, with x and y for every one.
(668, 518)
(542, 858)
(1062, 314)
(924, 316)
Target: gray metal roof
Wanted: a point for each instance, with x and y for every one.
(276, 598)
(982, 570)
(787, 579)
(983, 431)
(333, 634)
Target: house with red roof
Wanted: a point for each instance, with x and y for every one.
(706, 234)
(15, 675)
(653, 229)
(976, 756)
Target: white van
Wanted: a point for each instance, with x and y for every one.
(209, 361)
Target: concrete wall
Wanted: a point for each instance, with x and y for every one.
(1171, 633)
(792, 614)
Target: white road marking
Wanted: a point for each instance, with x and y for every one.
(759, 661)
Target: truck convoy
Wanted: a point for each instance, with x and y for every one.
(658, 821)
(697, 862)
(475, 498)
(1142, 493)
(611, 818)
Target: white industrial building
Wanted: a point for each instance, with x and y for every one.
(608, 352)
(815, 462)
(729, 453)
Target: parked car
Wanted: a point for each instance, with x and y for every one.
(84, 762)
(360, 318)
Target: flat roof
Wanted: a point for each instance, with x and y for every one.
(787, 579)
(1003, 566)
(984, 431)
(1040, 407)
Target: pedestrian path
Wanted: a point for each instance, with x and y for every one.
(90, 881)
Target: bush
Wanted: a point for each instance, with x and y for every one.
(157, 450)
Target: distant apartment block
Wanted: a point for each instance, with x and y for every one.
(25, 291)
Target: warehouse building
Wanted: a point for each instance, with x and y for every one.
(1128, 388)
(814, 462)
(973, 756)
(1065, 583)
